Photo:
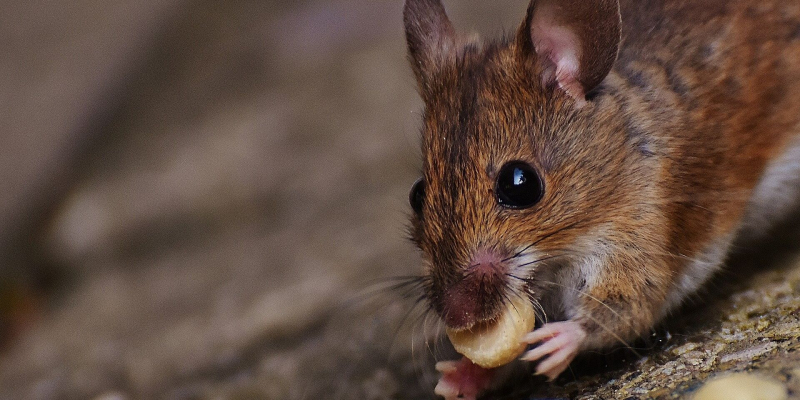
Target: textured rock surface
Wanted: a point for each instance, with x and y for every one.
(752, 325)
(247, 180)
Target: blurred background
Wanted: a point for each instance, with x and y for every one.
(190, 190)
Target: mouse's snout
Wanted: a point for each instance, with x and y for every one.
(475, 295)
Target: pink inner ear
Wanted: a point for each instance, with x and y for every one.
(561, 49)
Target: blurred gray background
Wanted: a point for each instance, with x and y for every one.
(197, 199)
(191, 189)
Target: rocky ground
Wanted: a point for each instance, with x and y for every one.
(205, 200)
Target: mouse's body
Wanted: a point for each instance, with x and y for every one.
(602, 160)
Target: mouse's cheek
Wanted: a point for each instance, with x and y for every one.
(497, 343)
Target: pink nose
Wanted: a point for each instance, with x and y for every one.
(471, 299)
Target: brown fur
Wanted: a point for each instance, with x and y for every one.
(658, 165)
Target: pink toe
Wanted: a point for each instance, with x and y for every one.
(446, 389)
(557, 363)
(546, 348)
(546, 332)
(462, 379)
(562, 342)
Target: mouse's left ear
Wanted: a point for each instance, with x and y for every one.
(576, 41)
(430, 37)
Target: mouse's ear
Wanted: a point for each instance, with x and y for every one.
(430, 36)
(576, 41)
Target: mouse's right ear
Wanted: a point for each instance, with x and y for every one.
(575, 41)
(430, 37)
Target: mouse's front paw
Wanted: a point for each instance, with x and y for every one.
(462, 379)
(559, 341)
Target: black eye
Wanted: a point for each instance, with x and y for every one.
(417, 195)
(518, 186)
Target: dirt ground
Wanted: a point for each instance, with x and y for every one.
(203, 200)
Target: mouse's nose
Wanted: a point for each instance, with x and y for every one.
(475, 296)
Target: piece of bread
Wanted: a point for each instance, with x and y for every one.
(497, 343)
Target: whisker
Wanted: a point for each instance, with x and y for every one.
(584, 293)
(415, 359)
(515, 291)
(504, 295)
(612, 333)
(538, 309)
(403, 321)
(411, 291)
(617, 337)
(395, 284)
(435, 350)
(519, 253)
(538, 305)
(425, 327)
(551, 234)
(539, 260)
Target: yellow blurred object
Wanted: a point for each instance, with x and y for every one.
(498, 343)
(742, 386)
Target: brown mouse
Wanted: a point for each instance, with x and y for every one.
(599, 161)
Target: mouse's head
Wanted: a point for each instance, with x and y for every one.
(517, 165)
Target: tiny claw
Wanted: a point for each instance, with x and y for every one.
(446, 389)
(462, 379)
(544, 349)
(557, 363)
(446, 367)
(546, 332)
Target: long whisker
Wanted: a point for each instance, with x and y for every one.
(515, 291)
(581, 292)
(436, 336)
(540, 260)
(416, 360)
(537, 241)
(404, 319)
(395, 284)
(614, 334)
(538, 305)
(507, 299)
(409, 292)
(519, 253)
(524, 295)
(538, 308)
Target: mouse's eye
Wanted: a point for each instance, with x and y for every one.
(518, 185)
(417, 195)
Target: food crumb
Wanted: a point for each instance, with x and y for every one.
(742, 386)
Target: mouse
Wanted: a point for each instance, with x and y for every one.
(600, 162)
